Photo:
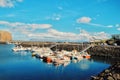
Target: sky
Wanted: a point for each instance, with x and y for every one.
(60, 20)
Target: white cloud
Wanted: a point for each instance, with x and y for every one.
(110, 26)
(39, 26)
(25, 25)
(101, 35)
(60, 8)
(84, 20)
(10, 15)
(87, 20)
(8, 3)
(55, 17)
(53, 35)
(117, 25)
(30, 31)
(58, 18)
(101, 1)
(20, 0)
(100, 25)
(61, 34)
(98, 15)
(118, 29)
(23, 29)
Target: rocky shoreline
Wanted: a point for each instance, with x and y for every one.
(111, 73)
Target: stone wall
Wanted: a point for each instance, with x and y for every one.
(5, 36)
(108, 51)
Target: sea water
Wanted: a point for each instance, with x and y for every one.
(22, 66)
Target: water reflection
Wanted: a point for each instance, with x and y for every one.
(107, 60)
(84, 64)
(22, 53)
(22, 66)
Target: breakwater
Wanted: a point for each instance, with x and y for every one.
(96, 50)
(106, 51)
(111, 73)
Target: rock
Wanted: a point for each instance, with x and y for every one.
(107, 71)
(101, 78)
(110, 74)
(5, 36)
(94, 78)
(110, 78)
(116, 76)
(102, 74)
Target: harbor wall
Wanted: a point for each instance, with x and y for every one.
(106, 51)
(97, 50)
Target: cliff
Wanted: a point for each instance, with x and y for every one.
(5, 36)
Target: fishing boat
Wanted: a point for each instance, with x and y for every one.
(86, 55)
(19, 48)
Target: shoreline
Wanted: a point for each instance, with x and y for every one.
(111, 73)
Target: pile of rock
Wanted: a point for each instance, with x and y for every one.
(112, 73)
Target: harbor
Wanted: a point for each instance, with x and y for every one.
(62, 54)
(21, 65)
(66, 54)
(59, 40)
(53, 53)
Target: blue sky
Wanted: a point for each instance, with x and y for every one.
(61, 20)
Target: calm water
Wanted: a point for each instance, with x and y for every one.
(21, 66)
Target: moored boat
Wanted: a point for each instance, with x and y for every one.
(86, 55)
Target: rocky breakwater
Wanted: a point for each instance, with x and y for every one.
(5, 36)
(112, 73)
(113, 52)
(106, 51)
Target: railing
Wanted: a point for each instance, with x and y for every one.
(53, 45)
(87, 48)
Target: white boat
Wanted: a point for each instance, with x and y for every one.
(19, 48)
(42, 52)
